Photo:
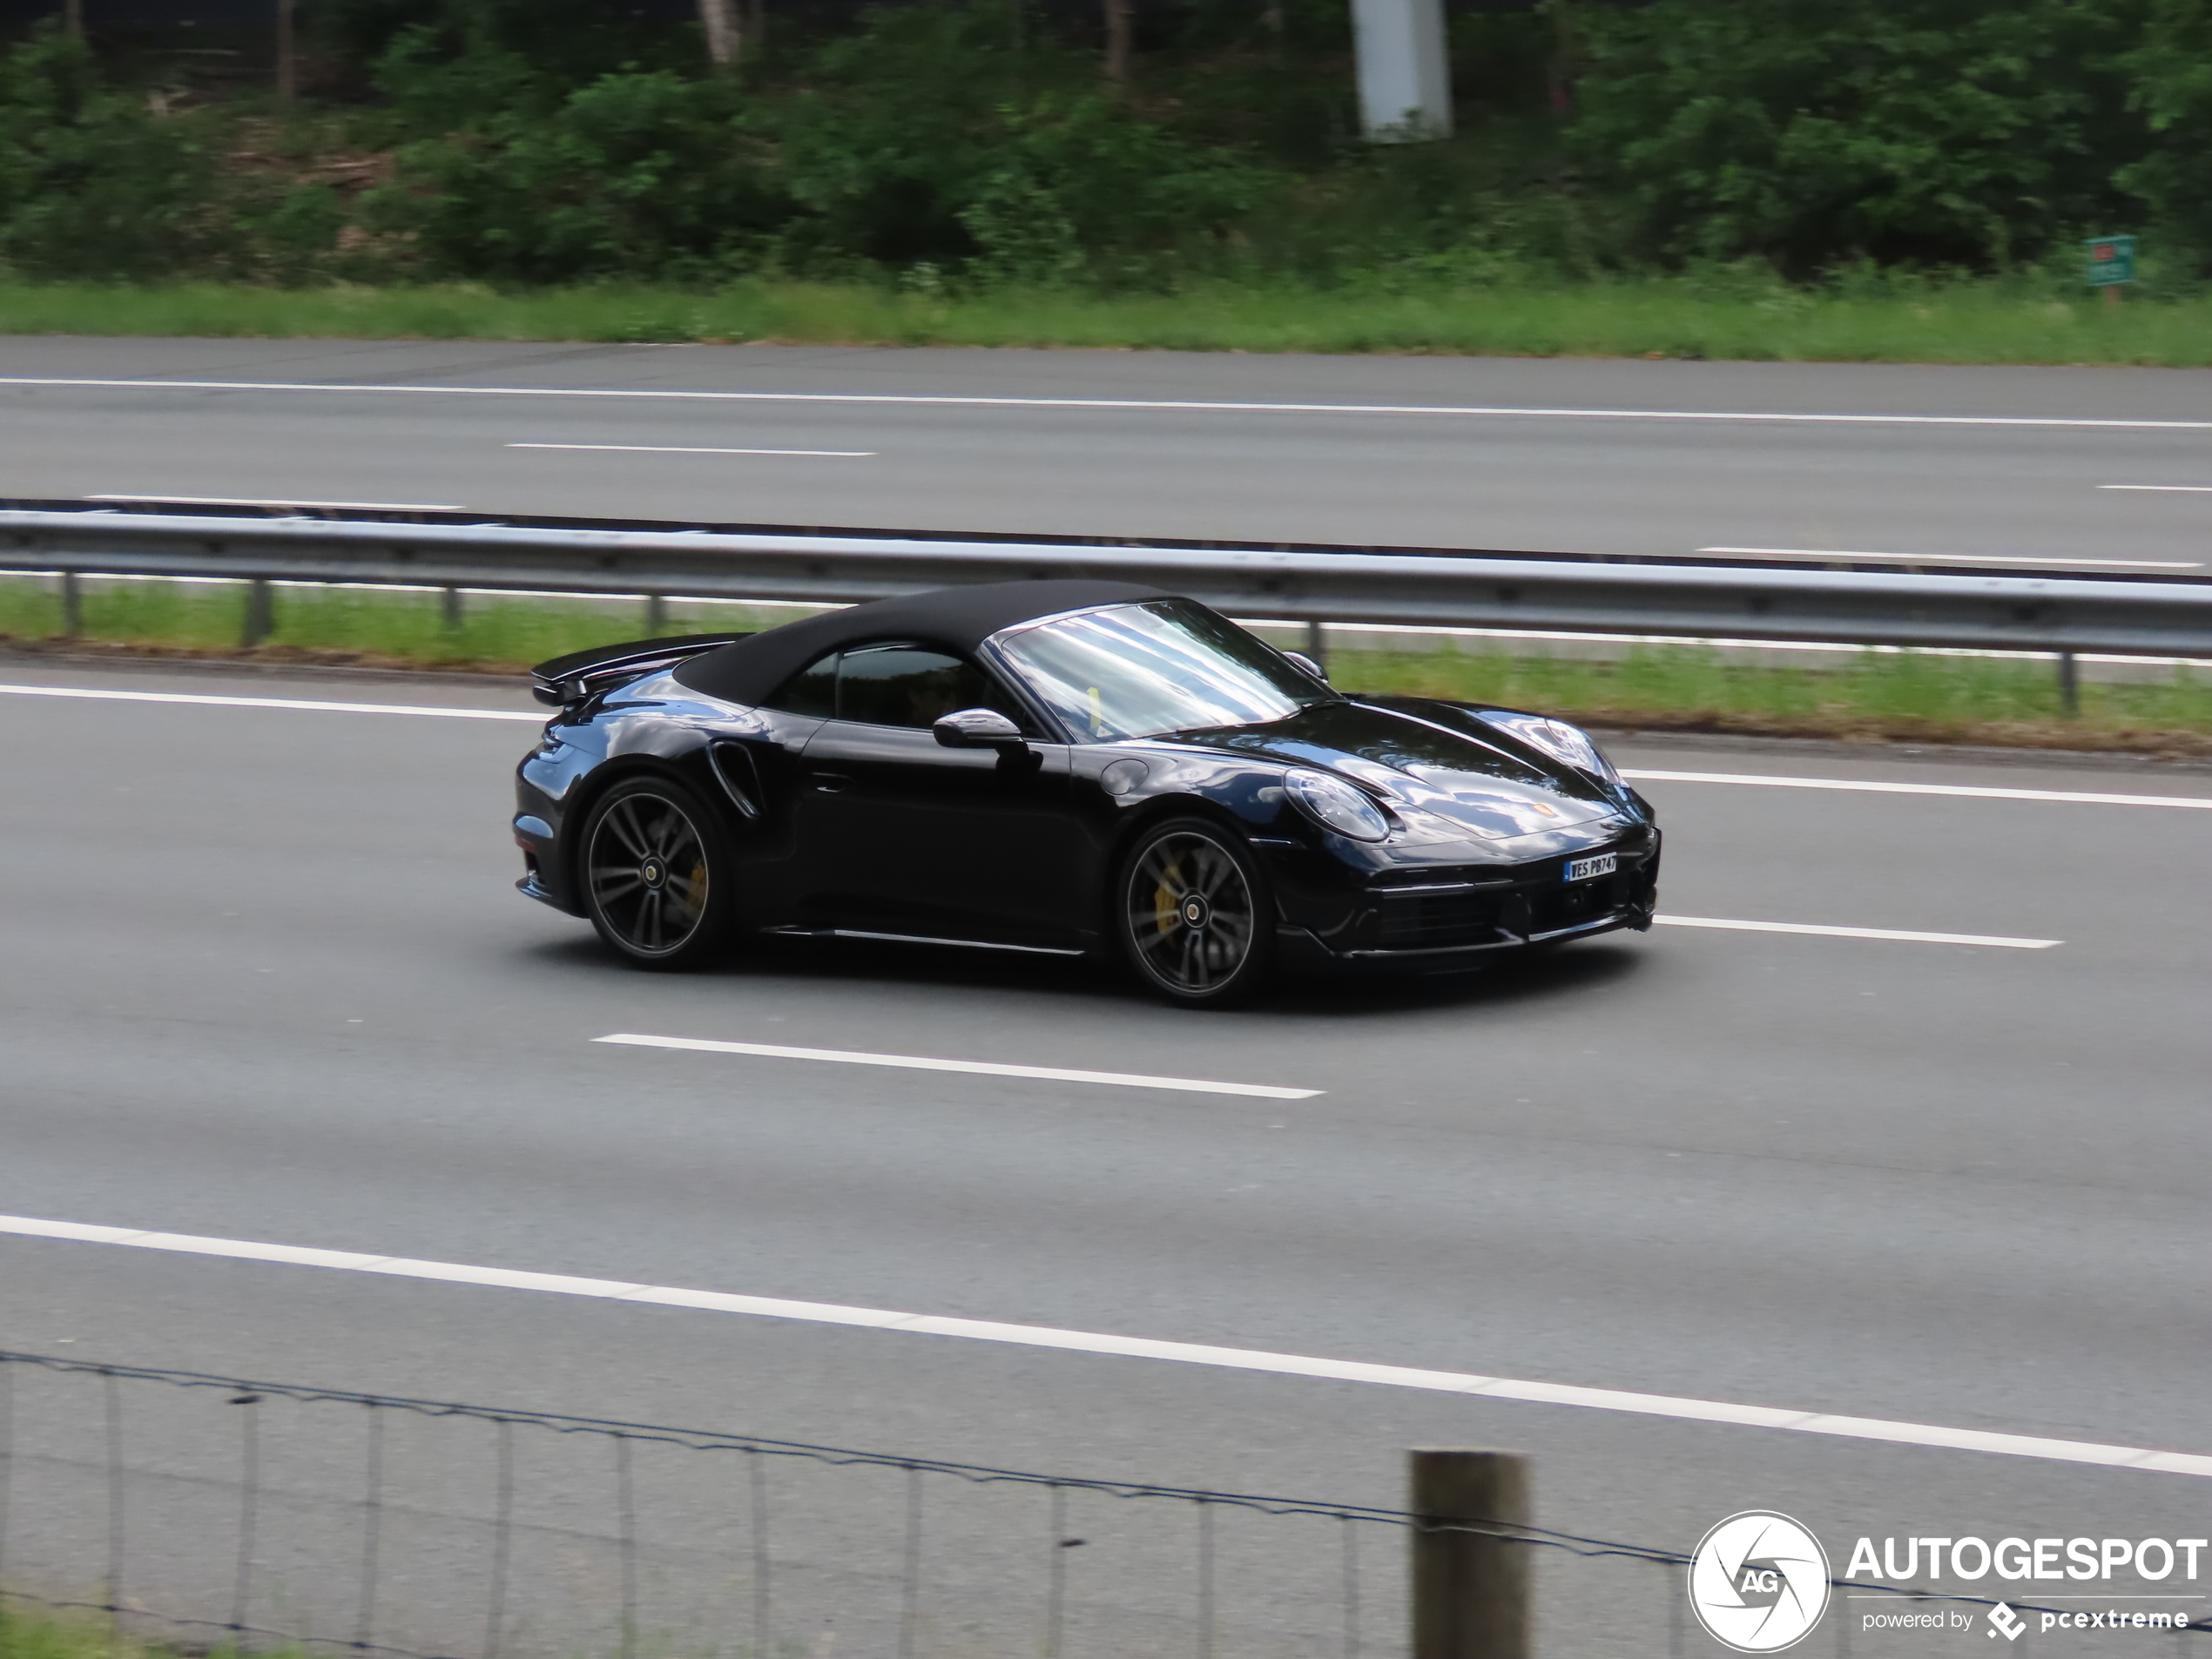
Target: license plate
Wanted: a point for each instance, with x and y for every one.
(1590, 869)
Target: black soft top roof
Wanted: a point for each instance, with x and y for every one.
(957, 619)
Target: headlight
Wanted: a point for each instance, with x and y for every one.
(1336, 804)
(1568, 744)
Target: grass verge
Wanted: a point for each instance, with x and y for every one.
(25, 1633)
(1873, 697)
(1987, 322)
(1876, 697)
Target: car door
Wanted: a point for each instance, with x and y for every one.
(898, 834)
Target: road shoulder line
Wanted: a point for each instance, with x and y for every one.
(1821, 930)
(1202, 406)
(976, 1067)
(1723, 1412)
(311, 705)
(1876, 786)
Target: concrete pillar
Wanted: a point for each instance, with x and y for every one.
(1404, 72)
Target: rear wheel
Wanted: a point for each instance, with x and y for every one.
(1194, 914)
(655, 873)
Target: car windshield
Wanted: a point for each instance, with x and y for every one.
(1166, 666)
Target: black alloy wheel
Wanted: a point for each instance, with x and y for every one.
(1195, 916)
(656, 878)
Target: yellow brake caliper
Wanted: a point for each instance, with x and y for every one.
(1164, 906)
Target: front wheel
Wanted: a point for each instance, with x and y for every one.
(657, 878)
(1194, 914)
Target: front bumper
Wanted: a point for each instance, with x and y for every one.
(1437, 916)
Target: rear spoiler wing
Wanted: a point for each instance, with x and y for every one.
(563, 682)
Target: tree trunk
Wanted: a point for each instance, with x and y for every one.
(1117, 40)
(724, 37)
(73, 15)
(287, 63)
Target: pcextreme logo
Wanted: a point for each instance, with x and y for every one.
(1758, 1582)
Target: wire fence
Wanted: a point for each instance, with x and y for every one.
(224, 1513)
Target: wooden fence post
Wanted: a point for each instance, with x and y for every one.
(1471, 1588)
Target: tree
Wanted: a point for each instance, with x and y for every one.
(725, 34)
(1119, 25)
(1812, 132)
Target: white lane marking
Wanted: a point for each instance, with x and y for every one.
(1954, 558)
(1997, 940)
(687, 449)
(1640, 775)
(1201, 406)
(980, 1068)
(2170, 489)
(268, 500)
(1036, 1336)
(1971, 792)
(309, 704)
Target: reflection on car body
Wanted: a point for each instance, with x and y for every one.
(1067, 767)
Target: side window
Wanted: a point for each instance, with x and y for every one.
(910, 685)
(811, 691)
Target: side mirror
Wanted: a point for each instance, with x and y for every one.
(977, 729)
(1309, 665)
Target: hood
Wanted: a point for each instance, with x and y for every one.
(1419, 758)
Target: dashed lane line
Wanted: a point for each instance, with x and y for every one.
(1723, 1412)
(694, 450)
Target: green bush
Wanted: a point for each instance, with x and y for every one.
(942, 133)
(633, 175)
(91, 183)
(1947, 133)
(1762, 148)
(923, 138)
(2172, 89)
(447, 64)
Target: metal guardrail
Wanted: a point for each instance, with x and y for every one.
(2030, 613)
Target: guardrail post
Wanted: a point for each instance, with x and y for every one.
(260, 614)
(1317, 644)
(450, 610)
(1471, 1588)
(655, 615)
(2069, 674)
(73, 606)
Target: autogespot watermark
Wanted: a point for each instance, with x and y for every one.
(2149, 1572)
(1759, 1583)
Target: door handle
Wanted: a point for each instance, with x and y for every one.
(829, 783)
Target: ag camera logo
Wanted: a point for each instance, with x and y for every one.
(1758, 1582)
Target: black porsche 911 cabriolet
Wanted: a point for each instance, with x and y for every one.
(1067, 767)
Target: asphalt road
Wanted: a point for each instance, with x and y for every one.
(1589, 456)
(266, 979)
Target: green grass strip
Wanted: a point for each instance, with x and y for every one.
(496, 632)
(1988, 322)
(29, 1633)
(1873, 695)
